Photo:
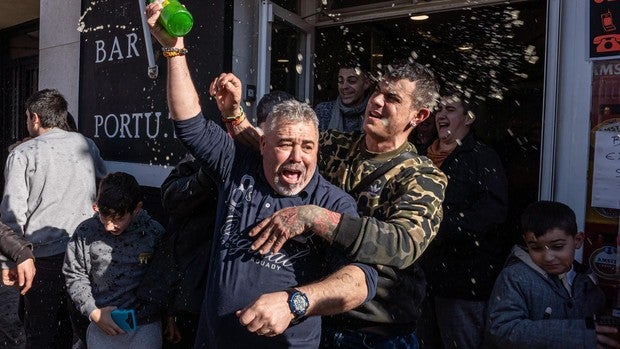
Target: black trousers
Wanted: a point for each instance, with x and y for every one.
(188, 325)
(44, 309)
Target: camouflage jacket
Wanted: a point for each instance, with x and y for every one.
(401, 212)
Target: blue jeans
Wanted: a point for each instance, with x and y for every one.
(356, 340)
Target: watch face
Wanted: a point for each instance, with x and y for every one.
(299, 303)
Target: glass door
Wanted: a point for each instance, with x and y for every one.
(286, 43)
(494, 54)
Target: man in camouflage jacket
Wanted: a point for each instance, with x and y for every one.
(401, 210)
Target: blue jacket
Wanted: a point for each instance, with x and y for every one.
(523, 293)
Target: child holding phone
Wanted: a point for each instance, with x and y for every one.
(106, 260)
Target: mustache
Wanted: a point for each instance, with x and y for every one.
(293, 168)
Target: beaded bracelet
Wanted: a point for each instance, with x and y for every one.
(170, 52)
(235, 119)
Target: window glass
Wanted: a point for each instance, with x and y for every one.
(286, 58)
(494, 54)
(291, 5)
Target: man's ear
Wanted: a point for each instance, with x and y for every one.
(35, 118)
(421, 115)
(579, 237)
(470, 117)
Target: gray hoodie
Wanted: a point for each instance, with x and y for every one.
(50, 188)
(102, 269)
(528, 310)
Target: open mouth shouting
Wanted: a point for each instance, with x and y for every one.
(290, 178)
(443, 128)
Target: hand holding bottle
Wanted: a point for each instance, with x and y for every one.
(175, 18)
(153, 12)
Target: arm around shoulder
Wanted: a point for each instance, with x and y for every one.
(412, 217)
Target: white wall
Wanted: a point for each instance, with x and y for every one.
(245, 39)
(59, 67)
(59, 48)
(564, 168)
(568, 182)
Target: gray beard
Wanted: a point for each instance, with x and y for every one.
(286, 190)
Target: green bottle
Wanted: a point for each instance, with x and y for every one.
(175, 18)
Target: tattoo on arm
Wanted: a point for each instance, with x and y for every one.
(325, 222)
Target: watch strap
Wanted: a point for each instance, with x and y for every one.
(294, 297)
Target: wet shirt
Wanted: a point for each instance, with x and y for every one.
(50, 188)
(102, 269)
(238, 275)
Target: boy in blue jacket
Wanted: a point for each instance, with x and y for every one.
(105, 261)
(543, 298)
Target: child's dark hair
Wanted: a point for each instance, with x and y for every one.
(119, 193)
(542, 216)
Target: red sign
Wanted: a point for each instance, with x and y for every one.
(604, 25)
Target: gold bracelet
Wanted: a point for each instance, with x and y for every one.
(234, 119)
(238, 121)
(170, 52)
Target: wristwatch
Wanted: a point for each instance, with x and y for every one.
(298, 303)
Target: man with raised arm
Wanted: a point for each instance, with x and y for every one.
(400, 206)
(255, 300)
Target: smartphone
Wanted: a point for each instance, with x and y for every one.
(125, 319)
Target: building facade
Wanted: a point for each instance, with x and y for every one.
(527, 63)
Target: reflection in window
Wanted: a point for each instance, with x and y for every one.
(340, 4)
(286, 58)
(494, 54)
(291, 5)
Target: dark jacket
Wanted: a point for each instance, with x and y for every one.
(469, 250)
(177, 277)
(13, 246)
